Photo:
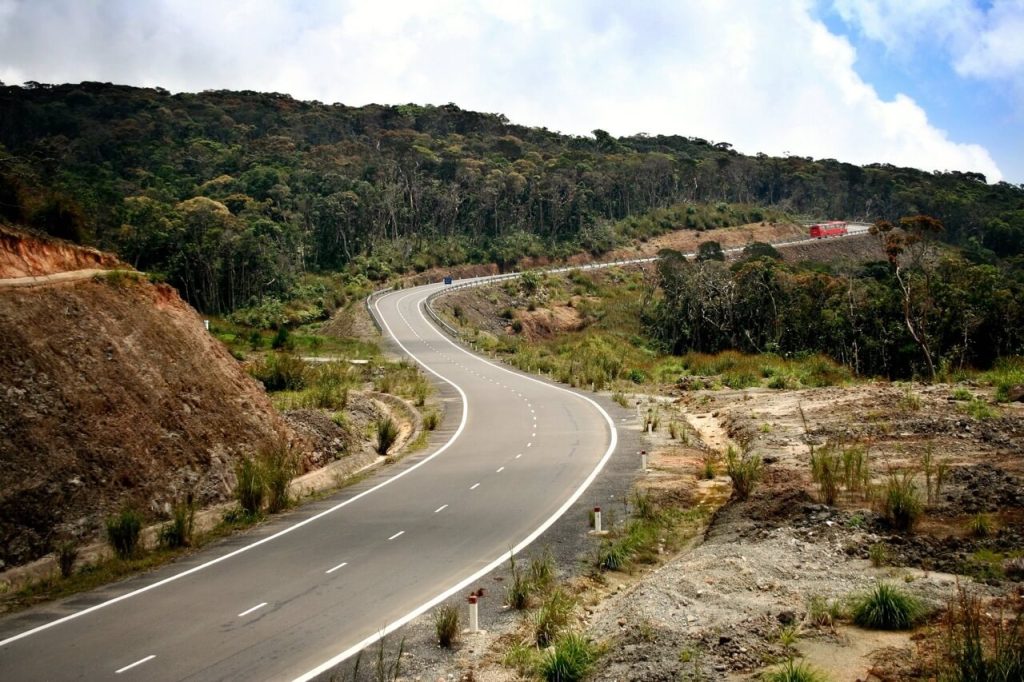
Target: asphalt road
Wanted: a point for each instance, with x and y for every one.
(307, 595)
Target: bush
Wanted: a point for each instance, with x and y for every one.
(446, 625)
(431, 420)
(901, 502)
(281, 372)
(123, 532)
(67, 554)
(249, 488)
(745, 471)
(886, 608)
(282, 339)
(387, 434)
(570, 660)
(795, 672)
(878, 554)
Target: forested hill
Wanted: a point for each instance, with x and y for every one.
(232, 195)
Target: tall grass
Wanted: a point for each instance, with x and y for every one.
(179, 530)
(552, 616)
(446, 625)
(745, 470)
(250, 486)
(901, 501)
(123, 532)
(387, 434)
(981, 648)
(278, 465)
(826, 470)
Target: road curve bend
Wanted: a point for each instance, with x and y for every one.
(305, 594)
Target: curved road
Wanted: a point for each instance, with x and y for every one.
(296, 602)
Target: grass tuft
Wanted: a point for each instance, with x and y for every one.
(901, 502)
(792, 671)
(387, 434)
(886, 608)
(123, 532)
(446, 625)
(745, 471)
(569, 660)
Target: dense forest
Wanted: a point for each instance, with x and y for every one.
(232, 196)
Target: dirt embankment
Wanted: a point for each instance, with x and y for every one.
(111, 392)
(25, 255)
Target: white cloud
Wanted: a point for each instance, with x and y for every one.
(987, 44)
(763, 76)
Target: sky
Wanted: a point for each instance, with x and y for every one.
(933, 84)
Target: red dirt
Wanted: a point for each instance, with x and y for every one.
(22, 254)
(111, 392)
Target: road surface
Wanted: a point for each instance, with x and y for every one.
(292, 604)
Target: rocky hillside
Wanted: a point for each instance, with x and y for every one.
(111, 393)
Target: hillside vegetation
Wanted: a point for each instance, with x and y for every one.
(233, 196)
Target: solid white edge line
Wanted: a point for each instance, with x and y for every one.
(343, 564)
(138, 662)
(255, 608)
(462, 584)
(285, 531)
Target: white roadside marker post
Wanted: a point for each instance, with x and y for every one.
(643, 460)
(597, 519)
(474, 614)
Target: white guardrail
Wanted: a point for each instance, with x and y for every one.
(857, 229)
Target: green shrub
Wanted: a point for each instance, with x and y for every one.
(824, 612)
(446, 625)
(901, 502)
(281, 372)
(249, 487)
(745, 471)
(431, 420)
(886, 608)
(282, 339)
(387, 434)
(620, 399)
(795, 672)
(569, 660)
(123, 532)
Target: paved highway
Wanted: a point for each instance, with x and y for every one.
(294, 603)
